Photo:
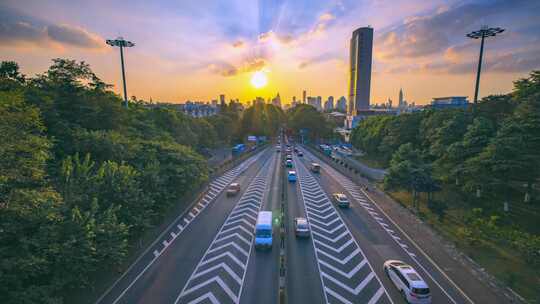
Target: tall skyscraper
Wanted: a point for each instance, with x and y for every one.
(222, 99)
(400, 98)
(360, 69)
(304, 96)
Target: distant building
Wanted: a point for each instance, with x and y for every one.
(352, 121)
(318, 103)
(312, 101)
(222, 100)
(451, 102)
(341, 104)
(276, 101)
(304, 96)
(337, 117)
(360, 59)
(258, 100)
(214, 102)
(329, 104)
(191, 108)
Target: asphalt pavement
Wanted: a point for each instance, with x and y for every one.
(207, 254)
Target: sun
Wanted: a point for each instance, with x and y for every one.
(259, 80)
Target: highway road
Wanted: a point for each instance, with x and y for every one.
(207, 254)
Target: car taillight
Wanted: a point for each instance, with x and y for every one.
(413, 295)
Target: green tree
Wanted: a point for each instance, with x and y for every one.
(409, 172)
(306, 117)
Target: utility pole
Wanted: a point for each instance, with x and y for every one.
(483, 33)
(120, 42)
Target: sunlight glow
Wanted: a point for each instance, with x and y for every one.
(259, 80)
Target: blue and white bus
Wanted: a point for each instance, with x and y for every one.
(263, 230)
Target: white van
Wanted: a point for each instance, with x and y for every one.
(263, 230)
(408, 282)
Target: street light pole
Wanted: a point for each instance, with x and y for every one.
(482, 34)
(124, 74)
(477, 70)
(121, 43)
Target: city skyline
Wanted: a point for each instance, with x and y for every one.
(197, 51)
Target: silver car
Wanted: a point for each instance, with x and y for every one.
(301, 227)
(341, 200)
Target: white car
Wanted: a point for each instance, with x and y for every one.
(340, 200)
(301, 227)
(411, 285)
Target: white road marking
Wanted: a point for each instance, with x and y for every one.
(227, 177)
(339, 177)
(319, 211)
(230, 241)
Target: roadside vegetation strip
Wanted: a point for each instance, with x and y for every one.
(171, 233)
(345, 273)
(362, 198)
(220, 273)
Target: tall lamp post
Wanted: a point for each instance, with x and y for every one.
(483, 33)
(120, 42)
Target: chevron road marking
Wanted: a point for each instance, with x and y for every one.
(219, 275)
(344, 270)
(362, 198)
(218, 185)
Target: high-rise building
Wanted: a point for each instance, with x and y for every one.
(341, 104)
(360, 69)
(304, 96)
(329, 104)
(401, 98)
(222, 99)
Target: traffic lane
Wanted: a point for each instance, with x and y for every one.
(379, 246)
(303, 278)
(162, 282)
(174, 230)
(262, 276)
(416, 257)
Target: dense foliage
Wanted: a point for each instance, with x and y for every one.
(305, 120)
(488, 155)
(261, 120)
(82, 177)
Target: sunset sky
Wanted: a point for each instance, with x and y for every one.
(197, 49)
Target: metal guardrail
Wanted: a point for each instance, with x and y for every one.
(345, 164)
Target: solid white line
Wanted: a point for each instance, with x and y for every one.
(417, 247)
(308, 176)
(203, 261)
(337, 296)
(249, 160)
(376, 297)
